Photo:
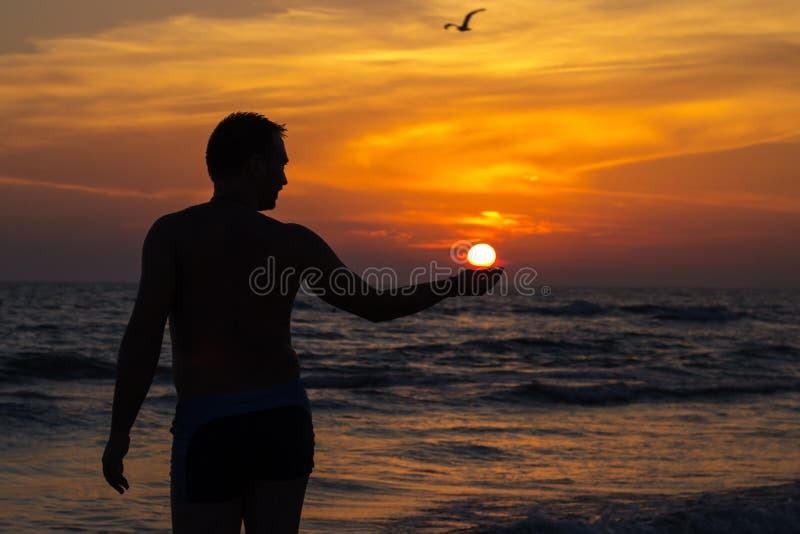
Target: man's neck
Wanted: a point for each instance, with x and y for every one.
(232, 193)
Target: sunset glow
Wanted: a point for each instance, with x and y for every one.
(598, 142)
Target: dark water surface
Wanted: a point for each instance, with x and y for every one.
(592, 410)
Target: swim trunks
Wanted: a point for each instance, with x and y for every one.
(221, 442)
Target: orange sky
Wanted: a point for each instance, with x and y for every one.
(600, 142)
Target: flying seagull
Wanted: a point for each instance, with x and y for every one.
(464, 25)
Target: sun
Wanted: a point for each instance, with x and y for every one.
(481, 255)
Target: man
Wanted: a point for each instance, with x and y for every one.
(243, 440)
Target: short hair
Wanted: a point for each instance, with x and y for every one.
(237, 137)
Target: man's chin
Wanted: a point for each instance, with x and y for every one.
(268, 205)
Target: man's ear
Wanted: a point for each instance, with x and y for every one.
(256, 165)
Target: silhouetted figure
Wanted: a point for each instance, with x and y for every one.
(243, 438)
(464, 25)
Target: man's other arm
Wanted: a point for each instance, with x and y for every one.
(371, 303)
(141, 345)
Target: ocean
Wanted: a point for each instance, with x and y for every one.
(586, 411)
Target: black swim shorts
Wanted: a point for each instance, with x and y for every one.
(222, 443)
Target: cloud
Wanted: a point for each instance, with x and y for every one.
(102, 191)
(428, 228)
(384, 234)
(509, 223)
(23, 24)
(554, 105)
(758, 177)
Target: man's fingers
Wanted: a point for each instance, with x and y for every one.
(113, 475)
(119, 483)
(492, 276)
(115, 450)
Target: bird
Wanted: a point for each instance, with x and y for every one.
(464, 25)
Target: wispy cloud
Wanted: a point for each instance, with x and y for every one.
(509, 223)
(102, 191)
(383, 234)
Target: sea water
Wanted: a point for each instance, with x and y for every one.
(589, 410)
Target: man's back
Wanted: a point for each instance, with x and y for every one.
(225, 336)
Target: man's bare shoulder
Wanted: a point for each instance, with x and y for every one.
(174, 225)
(304, 237)
(167, 226)
(298, 230)
(312, 248)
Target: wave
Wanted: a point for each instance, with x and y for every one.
(334, 380)
(37, 327)
(47, 415)
(450, 452)
(755, 510)
(768, 509)
(30, 395)
(316, 334)
(623, 393)
(768, 351)
(584, 308)
(366, 377)
(574, 308)
(542, 344)
(515, 345)
(701, 314)
(59, 365)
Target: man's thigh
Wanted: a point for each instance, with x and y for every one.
(232, 469)
(274, 506)
(218, 517)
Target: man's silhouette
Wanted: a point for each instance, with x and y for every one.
(243, 440)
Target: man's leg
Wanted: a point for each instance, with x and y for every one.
(220, 517)
(274, 507)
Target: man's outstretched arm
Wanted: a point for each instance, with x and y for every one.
(332, 280)
(141, 347)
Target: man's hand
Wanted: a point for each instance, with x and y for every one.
(474, 282)
(116, 449)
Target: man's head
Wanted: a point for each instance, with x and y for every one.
(246, 151)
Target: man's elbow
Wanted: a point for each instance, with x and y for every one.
(378, 316)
